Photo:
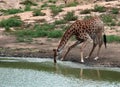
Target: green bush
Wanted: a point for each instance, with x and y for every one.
(40, 33)
(118, 23)
(55, 9)
(12, 11)
(38, 12)
(60, 22)
(44, 5)
(52, 1)
(70, 16)
(26, 32)
(87, 17)
(86, 11)
(99, 8)
(11, 22)
(115, 11)
(27, 8)
(108, 19)
(55, 34)
(28, 2)
(113, 38)
(72, 4)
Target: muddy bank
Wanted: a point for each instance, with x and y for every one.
(109, 57)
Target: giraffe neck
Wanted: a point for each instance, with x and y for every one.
(67, 35)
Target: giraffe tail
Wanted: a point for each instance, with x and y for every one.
(105, 40)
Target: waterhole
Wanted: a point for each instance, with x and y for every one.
(36, 72)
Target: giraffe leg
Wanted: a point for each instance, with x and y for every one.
(81, 53)
(100, 44)
(94, 46)
(72, 46)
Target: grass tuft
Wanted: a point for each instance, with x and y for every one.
(113, 38)
(70, 16)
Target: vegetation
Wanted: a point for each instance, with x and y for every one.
(44, 5)
(86, 11)
(38, 12)
(98, 8)
(55, 9)
(27, 8)
(52, 1)
(113, 38)
(87, 17)
(45, 30)
(60, 22)
(115, 11)
(70, 16)
(11, 11)
(28, 2)
(72, 4)
(109, 20)
(55, 34)
(11, 22)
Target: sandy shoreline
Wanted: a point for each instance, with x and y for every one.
(109, 57)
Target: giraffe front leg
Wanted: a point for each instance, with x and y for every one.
(82, 59)
(72, 46)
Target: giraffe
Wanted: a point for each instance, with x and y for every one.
(83, 30)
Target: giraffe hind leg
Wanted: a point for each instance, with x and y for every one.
(94, 46)
(98, 52)
(72, 46)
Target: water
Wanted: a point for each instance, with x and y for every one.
(34, 72)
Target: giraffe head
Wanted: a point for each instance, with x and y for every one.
(56, 54)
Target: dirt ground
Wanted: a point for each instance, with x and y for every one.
(43, 48)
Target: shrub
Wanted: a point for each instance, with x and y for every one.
(11, 22)
(87, 17)
(52, 1)
(55, 34)
(26, 32)
(99, 8)
(70, 16)
(115, 10)
(118, 23)
(28, 2)
(12, 11)
(27, 8)
(44, 5)
(113, 38)
(72, 4)
(40, 33)
(38, 12)
(108, 19)
(86, 11)
(60, 22)
(55, 9)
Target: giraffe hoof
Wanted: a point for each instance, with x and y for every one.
(96, 58)
(86, 57)
(82, 61)
(62, 59)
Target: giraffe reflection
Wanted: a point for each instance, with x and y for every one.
(94, 74)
